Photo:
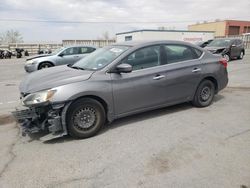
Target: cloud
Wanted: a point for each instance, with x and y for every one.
(176, 13)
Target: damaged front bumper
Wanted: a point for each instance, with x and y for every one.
(48, 118)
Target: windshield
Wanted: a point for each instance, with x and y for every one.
(100, 58)
(220, 43)
(57, 50)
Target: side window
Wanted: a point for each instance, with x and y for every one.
(175, 53)
(144, 58)
(83, 50)
(70, 51)
(128, 38)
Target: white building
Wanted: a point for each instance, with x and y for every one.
(181, 35)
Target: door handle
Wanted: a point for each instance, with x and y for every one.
(76, 56)
(158, 77)
(196, 70)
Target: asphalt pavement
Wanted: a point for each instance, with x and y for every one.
(179, 146)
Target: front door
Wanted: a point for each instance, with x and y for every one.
(69, 56)
(143, 86)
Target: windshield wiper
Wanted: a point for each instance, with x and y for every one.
(76, 67)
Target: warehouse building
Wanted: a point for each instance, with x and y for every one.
(181, 35)
(223, 28)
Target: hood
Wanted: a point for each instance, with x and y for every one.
(52, 77)
(214, 49)
(37, 56)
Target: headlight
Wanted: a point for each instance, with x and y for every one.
(30, 62)
(39, 97)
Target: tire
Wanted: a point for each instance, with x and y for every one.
(227, 57)
(85, 117)
(241, 55)
(45, 65)
(204, 94)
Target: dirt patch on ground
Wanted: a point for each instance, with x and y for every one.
(6, 119)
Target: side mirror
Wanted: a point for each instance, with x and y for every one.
(124, 68)
(61, 55)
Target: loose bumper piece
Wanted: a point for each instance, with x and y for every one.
(48, 119)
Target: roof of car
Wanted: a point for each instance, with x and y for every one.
(228, 39)
(145, 43)
(69, 46)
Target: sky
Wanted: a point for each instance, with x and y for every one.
(55, 20)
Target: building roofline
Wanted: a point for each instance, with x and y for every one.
(157, 30)
(208, 22)
(219, 21)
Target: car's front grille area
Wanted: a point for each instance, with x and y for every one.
(24, 114)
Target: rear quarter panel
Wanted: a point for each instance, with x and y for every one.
(213, 68)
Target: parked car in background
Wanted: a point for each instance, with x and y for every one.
(203, 44)
(117, 81)
(44, 51)
(62, 56)
(229, 48)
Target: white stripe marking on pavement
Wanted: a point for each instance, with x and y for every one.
(11, 102)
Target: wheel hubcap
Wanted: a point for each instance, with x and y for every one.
(84, 118)
(205, 93)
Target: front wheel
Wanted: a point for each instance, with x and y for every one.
(227, 57)
(204, 94)
(85, 117)
(45, 65)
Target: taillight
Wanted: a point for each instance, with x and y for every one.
(223, 61)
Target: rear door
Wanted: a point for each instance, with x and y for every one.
(239, 45)
(183, 71)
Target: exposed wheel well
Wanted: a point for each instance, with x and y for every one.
(212, 79)
(45, 62)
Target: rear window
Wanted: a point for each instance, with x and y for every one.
(177, 53)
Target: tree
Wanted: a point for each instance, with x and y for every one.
(105, 35)
(11, 36)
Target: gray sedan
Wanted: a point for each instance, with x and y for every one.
(62, 56)
(117, 81)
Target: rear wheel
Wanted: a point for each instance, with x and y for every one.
(45, 65)
(85, 117)
(204, 94)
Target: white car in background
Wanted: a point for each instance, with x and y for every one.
(62, 56)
